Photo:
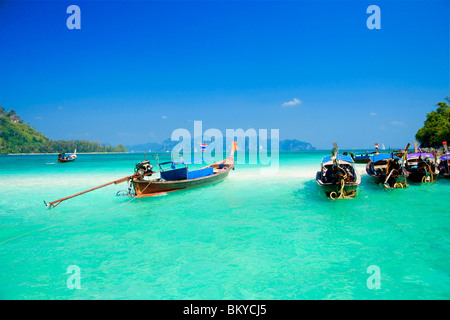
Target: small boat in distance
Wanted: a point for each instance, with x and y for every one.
(337, 176)
(421, 167)
(364, 157)
(63, 157)
(444, 164)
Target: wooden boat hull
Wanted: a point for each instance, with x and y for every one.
(398, 182)
(444, 170)
(65, 160)
(338, 177)
(419, 176)
(146, 188)
(421, 168)
(395, 181)
(361, 159)
(445, 175)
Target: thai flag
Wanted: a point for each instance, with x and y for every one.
(203, 145)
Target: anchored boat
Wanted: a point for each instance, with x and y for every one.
(364, 157)
(174, 178)
(337, 176)
(171, 179)
(388, 170)
(63, 157)
(421, 167)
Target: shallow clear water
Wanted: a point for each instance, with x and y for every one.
(252, 236)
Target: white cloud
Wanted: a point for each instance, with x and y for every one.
(398, 123)
(291, 103)
(39, 118)
(164, 117)
(373, 114)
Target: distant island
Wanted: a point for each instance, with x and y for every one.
(167, 146)
(18, 137)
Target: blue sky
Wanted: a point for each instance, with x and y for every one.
(136, 71)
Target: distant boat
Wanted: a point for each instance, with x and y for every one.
(364, 157)
(63, 157)
(337, 176)
(421, 167)
(387, 170)
(398, 153)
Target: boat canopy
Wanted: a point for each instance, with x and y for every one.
(184, 174)
(445, 157)
(418, 154)
(365, 154)
(339, 157)
(382, 156)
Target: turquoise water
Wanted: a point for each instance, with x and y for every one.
(252, 236)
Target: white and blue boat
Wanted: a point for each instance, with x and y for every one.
(337, 176)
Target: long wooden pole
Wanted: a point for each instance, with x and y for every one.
(56, 202)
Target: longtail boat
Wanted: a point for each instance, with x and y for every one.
(337, 176)
(181, 178)
(172, 179)
(364, 157)
(421, 167)
(63, 157)
(444, 164)
(388, 170)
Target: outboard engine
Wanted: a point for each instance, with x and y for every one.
(144, 168)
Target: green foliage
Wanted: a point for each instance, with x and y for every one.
(18, 137)
(437, 126)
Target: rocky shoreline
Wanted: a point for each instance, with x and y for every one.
(439, 151)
